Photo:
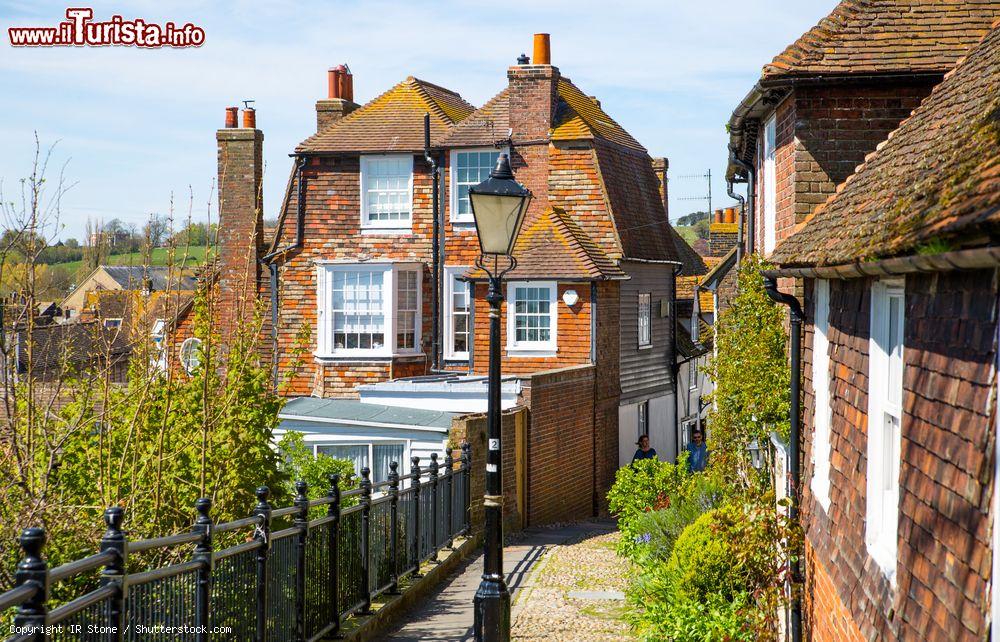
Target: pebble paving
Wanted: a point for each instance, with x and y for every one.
(575, 593)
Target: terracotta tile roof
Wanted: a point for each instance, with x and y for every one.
(686, 286)
(706, 302)
(554, 247)
(393, 121)
(484, 126)
(578, 117)
(933, 186)
(633, 194)
(887, 36)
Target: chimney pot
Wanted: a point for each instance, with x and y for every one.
(346, 83)
(523, 59)
(718, 216)
(730, 215)
(543, 53)
(250, 118)
(333, 82)
(231, 117)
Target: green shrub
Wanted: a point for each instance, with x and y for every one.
(723, 568)
(644, 486)
(659, 529)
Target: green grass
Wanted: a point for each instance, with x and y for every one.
(687, 233)
(195, 257)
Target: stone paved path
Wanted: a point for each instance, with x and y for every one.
(560, 580)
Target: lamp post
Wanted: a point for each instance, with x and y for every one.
(498, 207)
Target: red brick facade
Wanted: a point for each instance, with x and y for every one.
(943, 570)
(823, 133)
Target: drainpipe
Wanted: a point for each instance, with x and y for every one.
(796, 316)
(743, 215)
(436, 253)
(272, 264)
(751, 197)
(674, 368)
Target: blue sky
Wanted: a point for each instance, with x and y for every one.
(137, 126)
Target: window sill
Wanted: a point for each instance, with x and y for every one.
(387, 231)
(884, 558)
(529, 353)
(341, 357)
(463, 226)
(648, 346)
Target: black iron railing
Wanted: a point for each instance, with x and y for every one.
(289, 584)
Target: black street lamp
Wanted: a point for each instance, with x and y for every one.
(498, 207)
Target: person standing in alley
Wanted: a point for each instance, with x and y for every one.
(697, 452)
(644, 451)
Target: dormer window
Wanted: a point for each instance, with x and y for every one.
(387, 192)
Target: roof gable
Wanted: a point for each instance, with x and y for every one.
(394, 121)
(553, 246)
(887, 36)
(579, 117)
(935, 183)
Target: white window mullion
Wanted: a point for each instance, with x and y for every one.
(389, 306)
(770, 184)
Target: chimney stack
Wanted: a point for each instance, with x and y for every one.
(240, 242)
(543, 52)
(340, 97)
(722, 233)
(660, 167)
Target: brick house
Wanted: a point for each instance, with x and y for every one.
(899, 272)
(351, 285)
(831, 96)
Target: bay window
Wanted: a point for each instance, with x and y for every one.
(368, 309)
(885, 412)
(458, 315)
(531, 317)
(468, 168)
(387, 191)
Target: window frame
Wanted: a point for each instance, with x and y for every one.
(822, 399)
(769, 153)
(390, 307)
(648, 343)
(366, 223)
(533, 348)
(404, 465)
(882, 504)
(642, 419)
(466, 221)
(450, 354)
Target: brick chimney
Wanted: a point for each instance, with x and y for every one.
(340, 97)
(240, 241)
(533, 91)
(722, 233)
(660, 167)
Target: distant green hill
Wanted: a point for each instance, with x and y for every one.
(195, 257)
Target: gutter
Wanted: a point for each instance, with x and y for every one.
(973, 259)
(795, 418)
(674, 366)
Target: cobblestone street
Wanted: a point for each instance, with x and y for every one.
(566, 582)
(576, 592)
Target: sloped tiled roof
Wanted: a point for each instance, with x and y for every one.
(484, 126)
(887, 36)
(393, 121)
(554, 246)
(933, 185)
(130, 277)
(577, 117)
(636, 205)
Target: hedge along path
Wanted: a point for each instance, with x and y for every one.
(576, 592)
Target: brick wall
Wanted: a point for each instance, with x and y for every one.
(561, 445)
(473, 429)
(946, 472)
(722, 237)
(572, 331)
(822, 134)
